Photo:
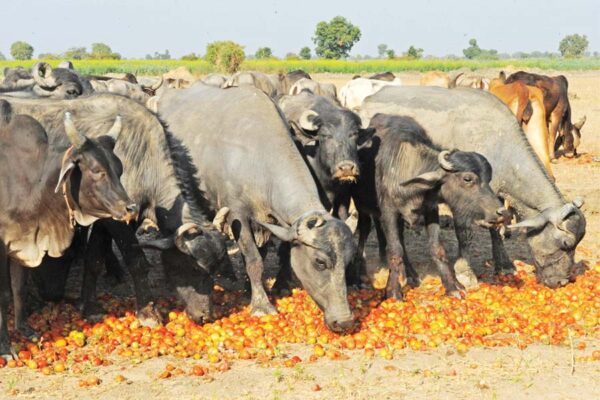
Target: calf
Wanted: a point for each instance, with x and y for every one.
(46, 189)
(405, 177)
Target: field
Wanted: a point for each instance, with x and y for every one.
(493, 371)
(156, 67)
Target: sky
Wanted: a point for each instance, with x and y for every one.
(135, 28)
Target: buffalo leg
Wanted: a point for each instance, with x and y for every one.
(135, 260)
(502, 262)
(395, 256)
(113, 267)
(411, 273)
(18, 280)
(462, 268)
(283, 281)
(4, 301)
(254, 267)
(438, 253)
(98, 245)
(382, 241)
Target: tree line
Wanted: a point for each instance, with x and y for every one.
(332, 39)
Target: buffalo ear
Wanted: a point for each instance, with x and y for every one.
(364, 137)
(425, 181)
(67, 167)
(285, 234)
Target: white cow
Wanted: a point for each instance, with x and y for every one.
(354, 92)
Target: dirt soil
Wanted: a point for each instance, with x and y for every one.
(537, 372)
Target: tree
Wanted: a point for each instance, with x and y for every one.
(2, 58)
(263, 53)
(76, 53)
(190, 57)
(305, 53)
(382, 50)
(225, 55)
(101, 51)
(390, 54)
(473, 51)
(414, 52)
(335, 39)
(573, 45)
(21, 50)
(292, 56)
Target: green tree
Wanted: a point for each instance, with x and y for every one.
(76, 53)
(335, 39)
(101, 51)
(382, 50)
(473, 51)
(573, 45)
(190, 57)
(390, 54)
(305, 53)
(225, 55)
(263, 53)
(414, 52)
(21, 50)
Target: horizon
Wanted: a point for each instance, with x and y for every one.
(137, 28)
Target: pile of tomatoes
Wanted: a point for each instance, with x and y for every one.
(516, 311)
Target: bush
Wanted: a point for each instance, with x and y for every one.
(21, 50)
(573, 45)
(191, 57)
(101, 51)
(227, 56)
(76, 53)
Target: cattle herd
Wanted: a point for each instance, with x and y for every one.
(86, 161)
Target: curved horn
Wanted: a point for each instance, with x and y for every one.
(537, 222)
(115, 130)
(563, 212)
(579, 124)
(158, 84)
(444, 162)
(41, 72)
(452, 83)
(220, 219)
(76, 138)
(306, 120)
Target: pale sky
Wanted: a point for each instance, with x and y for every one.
(135, 28)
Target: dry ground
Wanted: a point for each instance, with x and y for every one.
(538, 372)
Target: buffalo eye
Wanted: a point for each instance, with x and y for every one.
(98, 174)
(320, 264)
(468, 179)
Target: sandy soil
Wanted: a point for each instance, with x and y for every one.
(538, 372)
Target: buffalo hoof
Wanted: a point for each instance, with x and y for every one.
(260, 310)
(149, 316)
(26, 331)
(465, 275)
(93, 312)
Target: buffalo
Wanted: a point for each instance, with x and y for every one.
(47, 187)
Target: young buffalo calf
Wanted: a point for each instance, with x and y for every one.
(405, 176)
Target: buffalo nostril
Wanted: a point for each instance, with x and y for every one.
(347, 168)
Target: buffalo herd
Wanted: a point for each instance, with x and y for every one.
(88, 161)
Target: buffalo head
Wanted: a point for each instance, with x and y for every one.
(90, 174)
(337, 135)
(553, 236)
(321, 249)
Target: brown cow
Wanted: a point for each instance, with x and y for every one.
(440, 79)
(558, 109)
(527, 103)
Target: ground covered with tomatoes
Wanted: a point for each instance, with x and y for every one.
(510, 337)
